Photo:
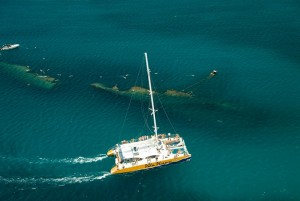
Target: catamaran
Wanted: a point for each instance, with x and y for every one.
(148, 151)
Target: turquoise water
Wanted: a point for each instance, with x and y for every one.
(244, 141)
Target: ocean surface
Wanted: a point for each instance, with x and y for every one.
(243, 133)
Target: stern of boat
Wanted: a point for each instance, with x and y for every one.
(110, 153)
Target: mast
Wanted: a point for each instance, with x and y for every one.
(151, 96)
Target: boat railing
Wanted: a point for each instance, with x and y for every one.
(146, 137)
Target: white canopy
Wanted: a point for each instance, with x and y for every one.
(141, 149)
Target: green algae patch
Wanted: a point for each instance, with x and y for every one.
(24, 74)
(139, 90)
(173, 92)
(115, 89)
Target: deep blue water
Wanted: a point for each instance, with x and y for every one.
(244, 141)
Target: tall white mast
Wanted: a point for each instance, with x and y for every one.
(151, 96)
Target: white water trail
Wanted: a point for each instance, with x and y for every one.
(78, 160)
(54, 181)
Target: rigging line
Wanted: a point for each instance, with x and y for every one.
(157, 95)
(169, 119)
(122, 127)
(149, 128)
(145, 118)
(194, 84)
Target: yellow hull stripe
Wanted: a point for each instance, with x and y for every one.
(115, 170)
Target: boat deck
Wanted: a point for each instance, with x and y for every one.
(145, 154)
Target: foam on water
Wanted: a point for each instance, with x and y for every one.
(80, 159)
(54, 181)
(77, 160)
(59, 181)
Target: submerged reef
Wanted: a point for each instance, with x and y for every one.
(172, 92)
(24, 74)
(168, 98)
(137, 92)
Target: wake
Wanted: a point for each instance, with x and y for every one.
(78, 160)
(54, 181)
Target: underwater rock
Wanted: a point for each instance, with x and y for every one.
(135, 92)
(171, 98)
(24, 73)
(114, 89)
(177, 93)
(138, 90)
